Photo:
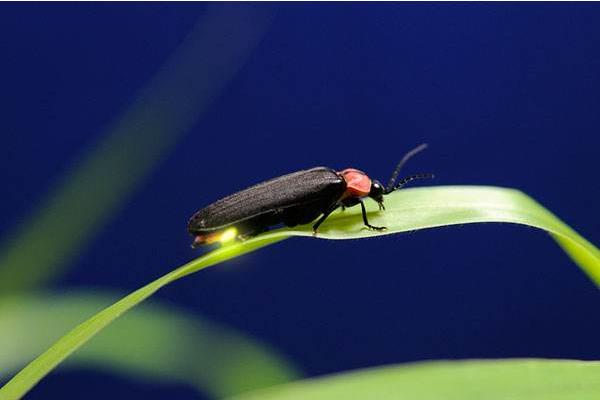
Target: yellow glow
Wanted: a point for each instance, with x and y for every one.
(228, 235)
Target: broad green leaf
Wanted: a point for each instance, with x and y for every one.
(532, 379)
(407, 210)
(153, 342)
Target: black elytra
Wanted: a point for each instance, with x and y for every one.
(294, 199)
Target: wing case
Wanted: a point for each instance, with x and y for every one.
(270, 198)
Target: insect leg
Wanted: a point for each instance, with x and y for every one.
(249, 235)
(324, 217)
(366, 221)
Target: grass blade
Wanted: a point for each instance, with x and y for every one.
(451, 380)
(430, 207)
(407, 210)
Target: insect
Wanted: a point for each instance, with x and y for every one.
(294, 199)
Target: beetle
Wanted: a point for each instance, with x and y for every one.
(293, 199)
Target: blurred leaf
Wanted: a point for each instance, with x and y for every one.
(451, 380)
(152, 342)
(102, 180)
(407, 210)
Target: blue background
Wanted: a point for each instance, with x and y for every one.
(505, 94)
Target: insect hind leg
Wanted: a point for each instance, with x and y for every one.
(326, 214)
(249, 229)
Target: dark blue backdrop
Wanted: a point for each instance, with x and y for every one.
(506, 94)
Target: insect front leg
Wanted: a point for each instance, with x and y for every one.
(366, 221)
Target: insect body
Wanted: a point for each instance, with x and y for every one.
(294, 199)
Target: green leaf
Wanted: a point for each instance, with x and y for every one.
(407, 210)
(451, 380)
(212, 358)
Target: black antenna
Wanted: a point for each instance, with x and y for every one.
(411, 178)
(390, 186)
